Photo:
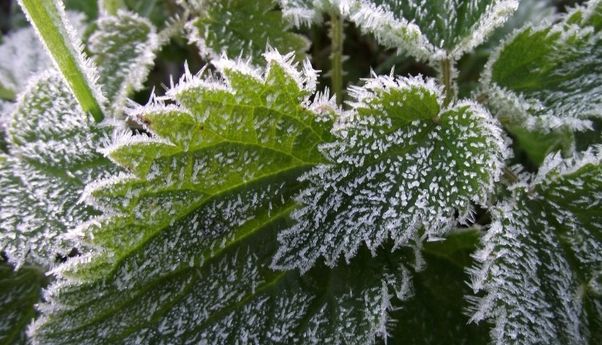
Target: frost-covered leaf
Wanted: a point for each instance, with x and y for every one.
(548, 76)
(429, 30)
(541, 259)
(19, 291)
(242, 27)
(123, 48)
(529, 12)
(184, 248)
(402, 162)
(53, 156)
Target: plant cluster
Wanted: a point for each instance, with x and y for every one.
(451, 194)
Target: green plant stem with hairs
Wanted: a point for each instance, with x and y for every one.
(336, 55)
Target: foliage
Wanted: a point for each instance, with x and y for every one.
(243, 204)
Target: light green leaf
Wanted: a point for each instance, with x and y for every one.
(183, 251)
(429, 30)
(541, 259)
(547, 77)
(123, 47)
(19, 291)
(242, 28)
(402, 162)
(53, 155)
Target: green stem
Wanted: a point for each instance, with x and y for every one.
(336, 55)
(48, 18)
(110, 7)
(447, 78)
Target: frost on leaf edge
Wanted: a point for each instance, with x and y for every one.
(405, 35)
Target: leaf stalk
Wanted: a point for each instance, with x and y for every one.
(336, 55)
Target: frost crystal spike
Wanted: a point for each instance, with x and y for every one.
(304, 12)
(53, 156)
(557, 82)
(541, 259)
(401, 167)
(242, 28)
(427, 29)
(182, 252)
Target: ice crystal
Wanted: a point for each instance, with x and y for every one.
(402, 162)
(541, 259)
(304, 12)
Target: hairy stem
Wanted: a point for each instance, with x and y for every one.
(446, 75)
(336, 55)
(48, 18)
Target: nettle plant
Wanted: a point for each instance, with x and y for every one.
(455, 201)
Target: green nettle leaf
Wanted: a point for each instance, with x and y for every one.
(546, 77)
(429, 30)
(541, 259)
(403, 165)
(53, 156)
(19, 291)
(123, 48)
(242, 27)
(185, 243)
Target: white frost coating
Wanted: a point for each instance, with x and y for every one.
(305, 12)
(429, 30)
(390, 30)
(75, 45)
(542, 247)
(400, 165)
(124, 48)
(240, 65)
